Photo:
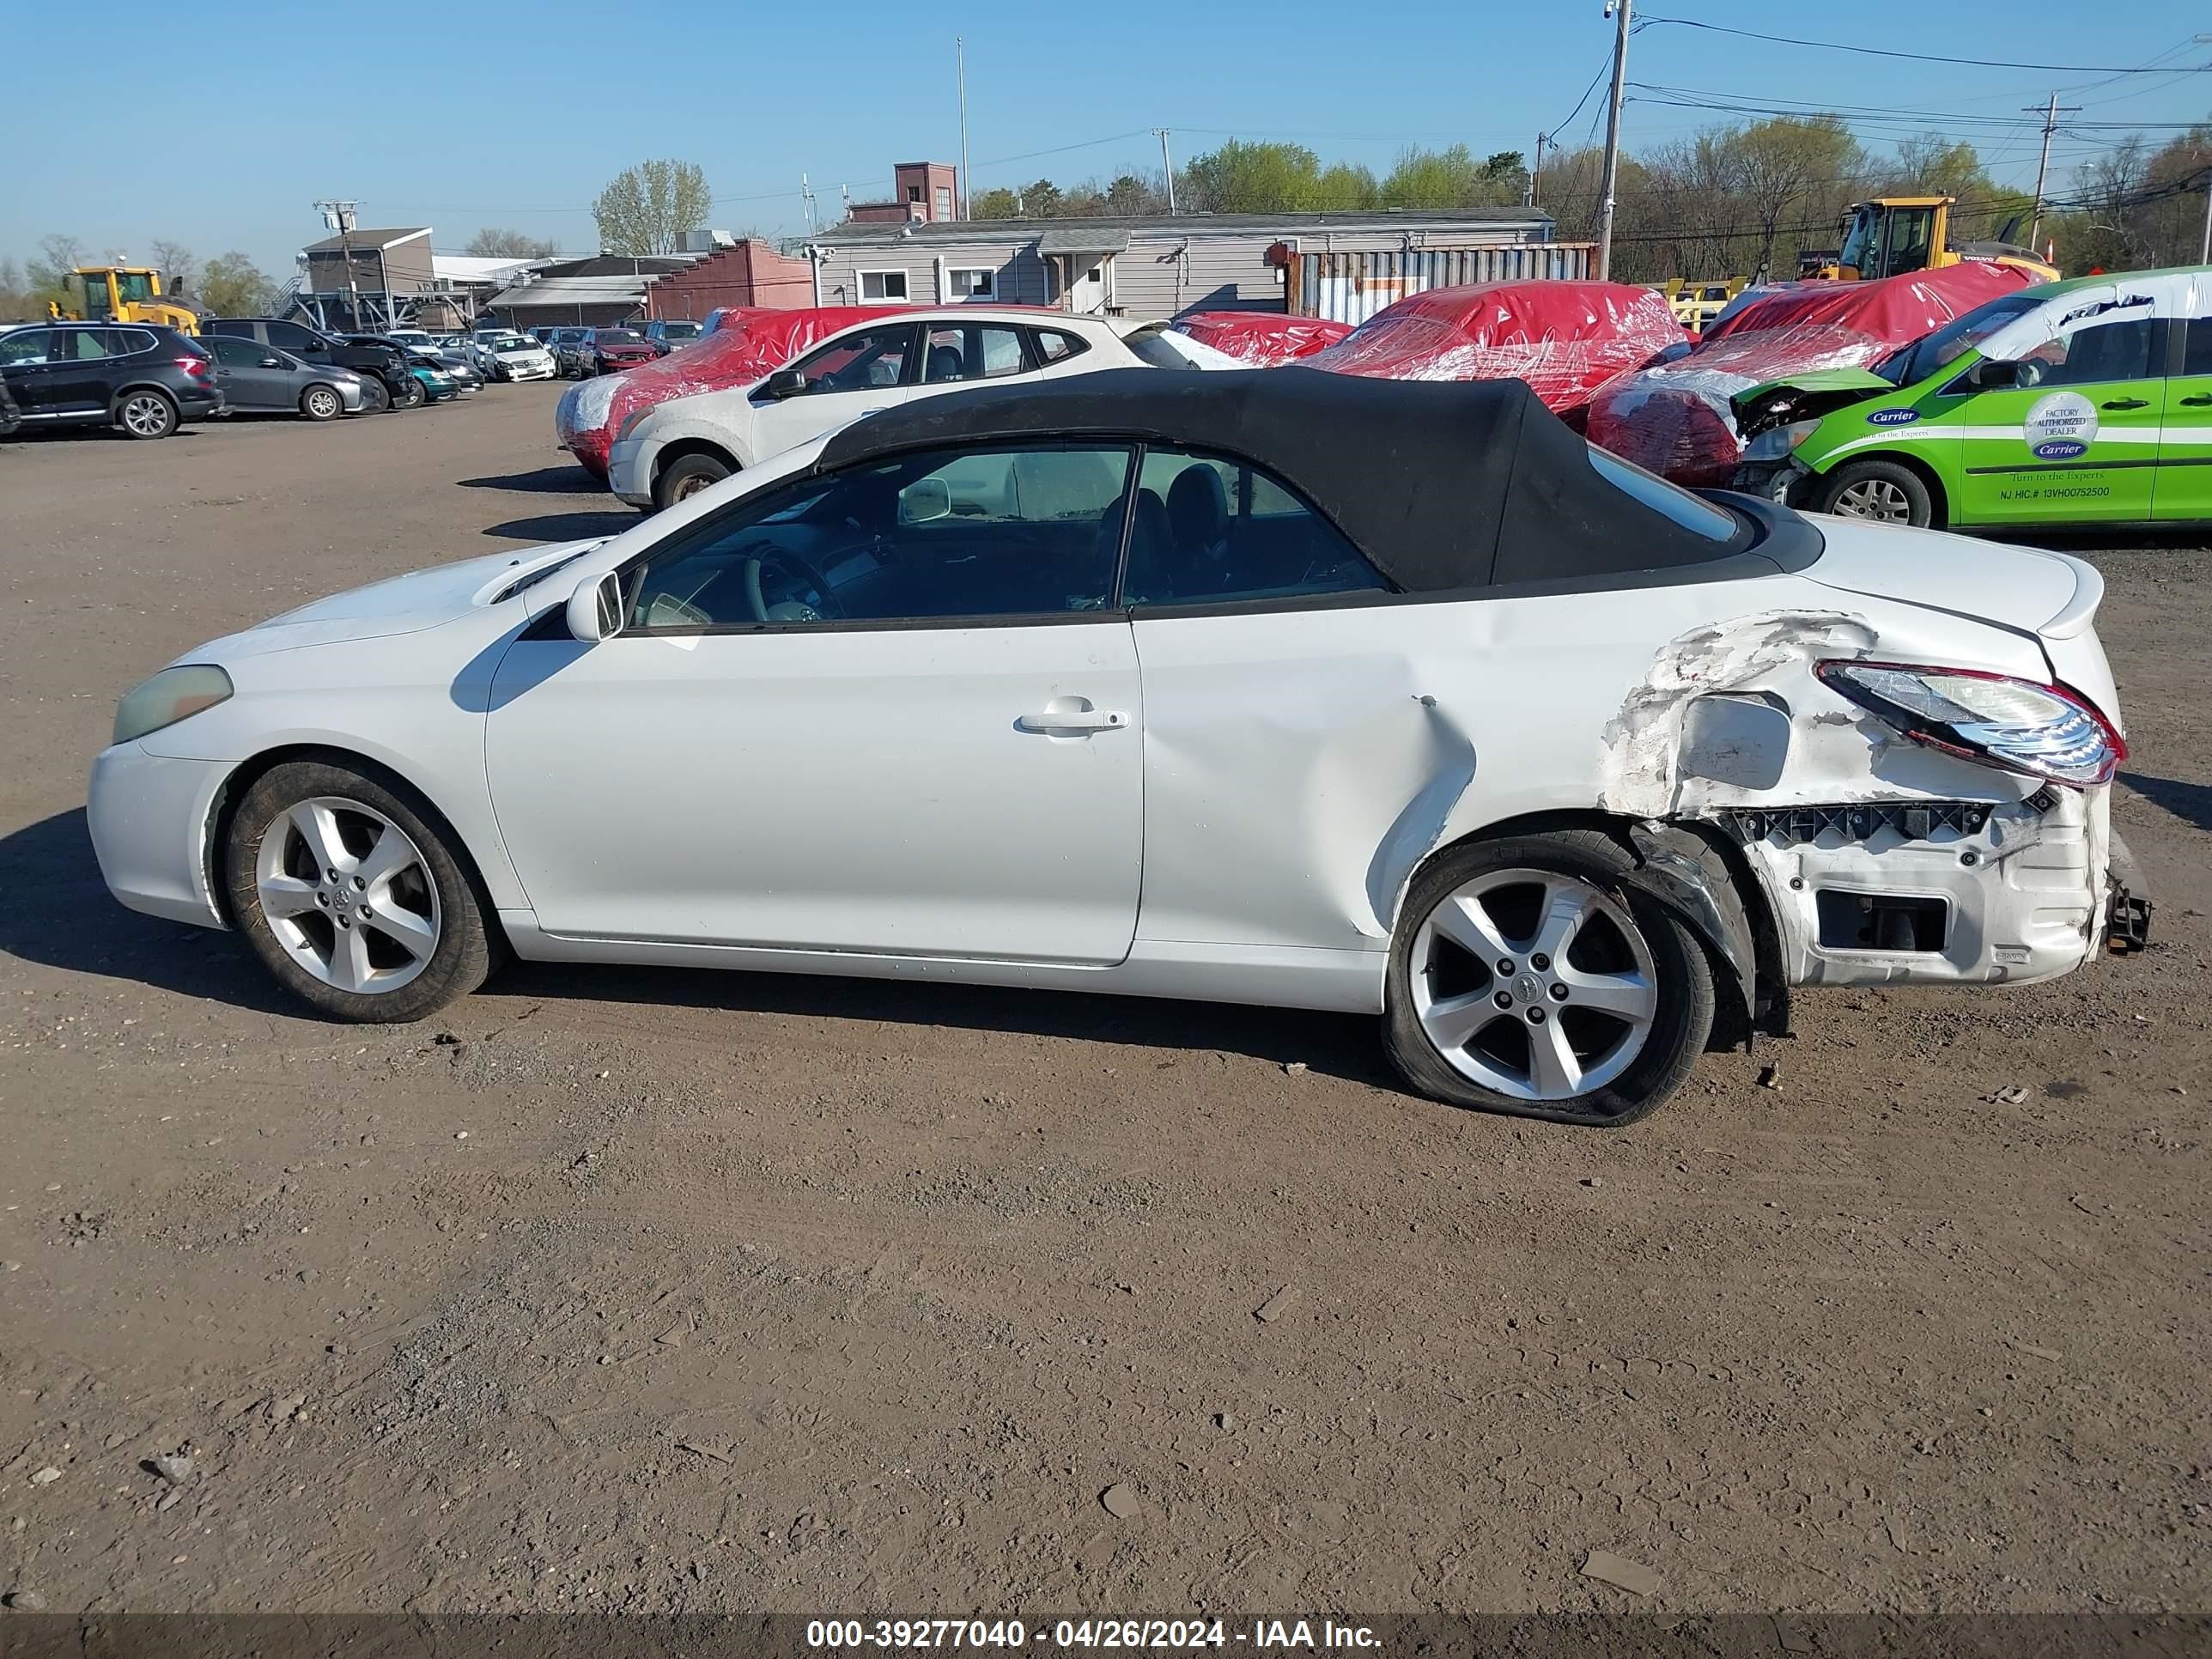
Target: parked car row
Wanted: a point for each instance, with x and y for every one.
(580, 354)
(147, 379)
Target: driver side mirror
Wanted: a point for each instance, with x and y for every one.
(1992, 373)
(595, 609)
(785, 383)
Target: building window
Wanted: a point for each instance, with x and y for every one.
(914, 192)
(944, 201)
(971, 283)
(883, 286)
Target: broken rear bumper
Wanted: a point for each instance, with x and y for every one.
(1919, 892)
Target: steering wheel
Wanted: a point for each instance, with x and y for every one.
(787, 610)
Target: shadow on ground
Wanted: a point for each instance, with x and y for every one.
(2190, 802)
(565, 526)
(60, 913)
(566, 478)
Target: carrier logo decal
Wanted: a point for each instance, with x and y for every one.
(2061, 427)
(1894, 417)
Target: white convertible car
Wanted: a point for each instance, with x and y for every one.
(1274, 687)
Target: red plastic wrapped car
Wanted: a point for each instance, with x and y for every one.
(1564, 339)
(1260, 339)
(746, 344)
(1674, 419)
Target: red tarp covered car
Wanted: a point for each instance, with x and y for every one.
(1260, 339)
(1674, 419)
(747, 344)
(1565, 339)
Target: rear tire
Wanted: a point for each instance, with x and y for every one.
(367, 928)
(1885, 492)
(412, 394)
(321, 403)
(147, 413)
(1638, 999)
(688, 475)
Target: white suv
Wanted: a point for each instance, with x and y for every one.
(677, 448)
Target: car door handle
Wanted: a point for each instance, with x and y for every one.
(1059, 722)
(2198, 402)
(2129, 403)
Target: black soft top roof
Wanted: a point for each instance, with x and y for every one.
(1443, 485)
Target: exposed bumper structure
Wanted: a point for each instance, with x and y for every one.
(1876, 893)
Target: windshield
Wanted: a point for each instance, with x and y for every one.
(1909, 365)
(1715, 524)
(513, 342)
(679, 331)
(1858, 241)
(616, 337)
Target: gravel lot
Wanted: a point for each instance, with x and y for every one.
(638, 1291)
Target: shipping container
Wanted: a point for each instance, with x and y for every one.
(1350, 287)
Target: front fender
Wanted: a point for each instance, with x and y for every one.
(1687, 875)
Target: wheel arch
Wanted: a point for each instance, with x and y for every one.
(676, 449)
(115, 403)
(1694, 871)
(223, 811)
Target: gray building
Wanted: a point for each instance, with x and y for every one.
(1156, 266)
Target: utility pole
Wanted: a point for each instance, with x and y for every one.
(2043, 167)
(339, 216)
(1536, 177)
(806, 195)
(1167, 166)
(2204, 242)
(960, 62)
(1617, 9)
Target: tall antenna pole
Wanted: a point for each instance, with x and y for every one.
(960, 64)
(1618, 10)
(1167, 166)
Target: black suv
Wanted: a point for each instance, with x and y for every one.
(144, 378)
(384, 379)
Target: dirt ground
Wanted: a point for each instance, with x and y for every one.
(648, 1292)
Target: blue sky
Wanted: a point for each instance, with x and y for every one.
(468, 120)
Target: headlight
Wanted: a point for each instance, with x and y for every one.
(630, 422)
(1775, 442)
(168, 697)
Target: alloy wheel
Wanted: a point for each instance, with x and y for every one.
(1875, 498)
(348, 895)
(146, 415)
(322, 403)
(1535, 985)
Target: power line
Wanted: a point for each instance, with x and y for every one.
(1917, 57)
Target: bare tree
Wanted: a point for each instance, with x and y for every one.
(493, 243)
(646, 208)
(180, 269)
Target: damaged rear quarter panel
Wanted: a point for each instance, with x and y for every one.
(1300, 764)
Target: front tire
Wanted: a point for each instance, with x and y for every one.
(411, 394)
(353, 894)
(321, 403)
(1525, 978)
(1886, 492)
(147, 414)
(688, 475)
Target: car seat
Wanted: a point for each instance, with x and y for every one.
(945, 363)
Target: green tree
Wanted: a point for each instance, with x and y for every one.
(1345, 188)
(1505, 178)
(15, 305)
(493, 243)
(1242, 178)
(1040, 200)
(646, 208)
(999, 203)
(1433, 178)
(1130, 194)
(234, 286)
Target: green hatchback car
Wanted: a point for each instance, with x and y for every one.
(2087, 401)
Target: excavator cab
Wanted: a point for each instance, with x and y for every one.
(1896, 236)
(127, 294)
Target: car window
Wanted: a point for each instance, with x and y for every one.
(866, 359)
(1715, 524)
(1212, 530)
(1911, 364)
(1055, 347)
(1032, 532)
(290, 336)
(227, 325)
(128, 341)
(235, 354)
(971, 351)
(2113, 349)
(79, 345)
(2196, 347)
(28, 345)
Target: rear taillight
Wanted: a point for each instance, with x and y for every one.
(195, 367)
(2020, 726)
